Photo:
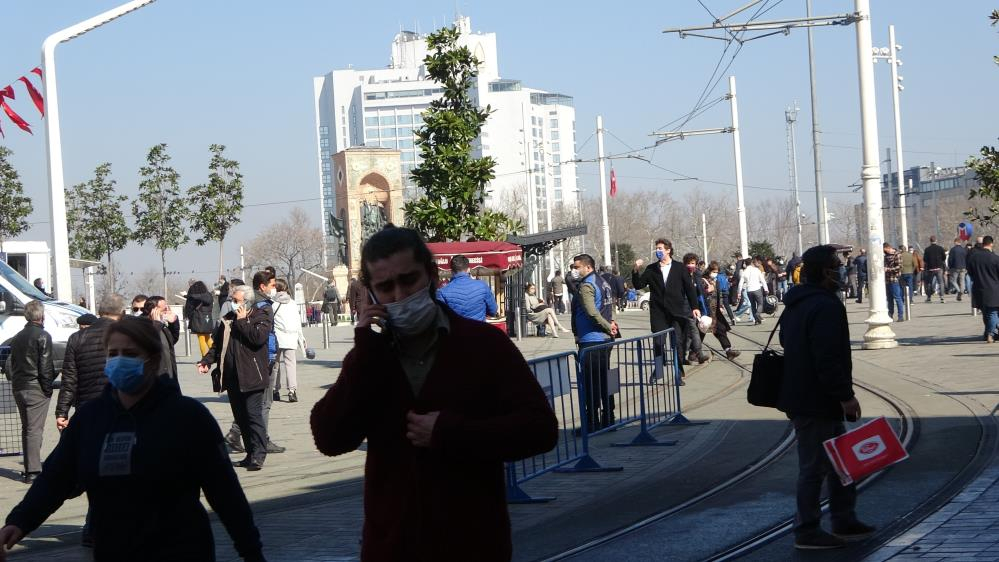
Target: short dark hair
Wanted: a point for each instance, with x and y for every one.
(151, 303)
(139, 297)
(270, 269)
(197, 288)
(141, 331)
(987, 240)
(666, 243)
(390, 241)
(459, 263)
(587, 259)
(689, 257)
(262, 278)
(816, 260)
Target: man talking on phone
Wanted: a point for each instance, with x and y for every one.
(443, 401)
(817, 395)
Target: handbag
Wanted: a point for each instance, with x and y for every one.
(539, 308)
(768, 375)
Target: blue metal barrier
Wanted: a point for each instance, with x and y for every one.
(10, 419)
(557, 375)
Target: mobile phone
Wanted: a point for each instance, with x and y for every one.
(380, 323)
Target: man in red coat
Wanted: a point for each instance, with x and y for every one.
(443, 401)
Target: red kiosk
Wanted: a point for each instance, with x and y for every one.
(491, 262)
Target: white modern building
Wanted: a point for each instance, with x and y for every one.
(530, 134)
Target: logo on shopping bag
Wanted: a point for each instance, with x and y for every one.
(869, 448)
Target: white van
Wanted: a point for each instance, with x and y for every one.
(60, 317)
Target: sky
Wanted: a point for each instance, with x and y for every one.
(191, 73)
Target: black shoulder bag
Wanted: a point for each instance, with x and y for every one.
(768, 375)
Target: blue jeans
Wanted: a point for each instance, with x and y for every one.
(895, 299)
(746, 305)
(990, 315)
(909, 281)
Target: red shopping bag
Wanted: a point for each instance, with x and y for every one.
(864, 450)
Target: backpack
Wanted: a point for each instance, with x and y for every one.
(796, 274)
(272, 347)
(722, 280)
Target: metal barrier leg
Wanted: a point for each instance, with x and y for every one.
(516, 494)
(644, 438)
(678, 418)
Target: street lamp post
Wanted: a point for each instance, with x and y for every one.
(890, 54)
(53, 140)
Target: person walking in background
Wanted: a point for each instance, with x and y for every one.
(693, 334)
(893, 268)
(138, 301)
(31, 377)
(934, 261)
(331, 302)
(357, 296)
(198, 312)
(983, 267)
(957, 266)
(861, 262)
(154, 310)
(222, 291)
(715, 301)
(755, 284)
(817, 393)
(907, 279)
(558, 292)
(143, 454)
(288, 330)
(468, 297)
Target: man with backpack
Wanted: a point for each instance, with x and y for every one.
(331, 302)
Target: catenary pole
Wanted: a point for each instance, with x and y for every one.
(791, 115)
(820, 208)
(896, 88)
(737, 149)
(879, 334)
(53, 141)
(704, 235)
(604, 227)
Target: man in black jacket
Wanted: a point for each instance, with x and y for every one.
(32, 373)
(957, 266)
(983, 267)
(674, 298)
(239, 346)
(934, 260)
(83, 377)
(816, 394)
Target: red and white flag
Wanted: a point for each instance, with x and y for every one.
(613, 189)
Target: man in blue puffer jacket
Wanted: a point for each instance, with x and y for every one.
(467, 297)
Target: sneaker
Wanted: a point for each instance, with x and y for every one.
(732, 353)
(818, 540)
(292, 396)
(989, 339)
(274, 448)
(703, 358)
(277, 396)
(692, 356)
(854, 531)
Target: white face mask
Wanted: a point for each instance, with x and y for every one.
(574, 273)
(271, 293)
(413, 314)
(714, 275)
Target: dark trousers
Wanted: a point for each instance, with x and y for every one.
(595, 363)
(813, 469)
(728, 306)
(721, 333)
(861, 285)
(933, 277)
(248, 410)
(756, 303)
(559, 304)
(33, 406)
(679, 326)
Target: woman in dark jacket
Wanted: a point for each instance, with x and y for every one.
(719, 321)
(198, 311)
(143, 454)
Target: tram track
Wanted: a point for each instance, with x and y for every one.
(909, 427)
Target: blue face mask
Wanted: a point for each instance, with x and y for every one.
(125, 373)
(660, 255)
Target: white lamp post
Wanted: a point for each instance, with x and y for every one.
(53, 140)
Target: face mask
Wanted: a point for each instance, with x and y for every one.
(125, 373)
(271, 293)
(413, 314)
(691, 266)
(714, 275)
(660, 255)
(574, 273)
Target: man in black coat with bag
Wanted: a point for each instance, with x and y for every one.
(816, 394)
(674, 297)
(983, 267)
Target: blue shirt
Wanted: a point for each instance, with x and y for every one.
(468, 297)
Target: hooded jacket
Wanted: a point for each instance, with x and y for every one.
(818, 370)
(287, 322)
(145, 493)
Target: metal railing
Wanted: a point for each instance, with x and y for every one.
(10, 419)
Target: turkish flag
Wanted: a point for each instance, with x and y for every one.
(613, 189)
(864, 450)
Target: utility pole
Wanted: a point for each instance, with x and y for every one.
(890, 53)
(889, 197)
(737, 149)
(936, 203)
(819, 200)
(603, 190)
(790, 116)
(704, 236)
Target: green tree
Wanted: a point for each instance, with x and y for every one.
(624, 256)
(763, 248)
(986, 168)
(218, 204)
(14, 205)
(452, 181)
(160, 211)
(95, 222)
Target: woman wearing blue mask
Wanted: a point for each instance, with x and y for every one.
(143, 453)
